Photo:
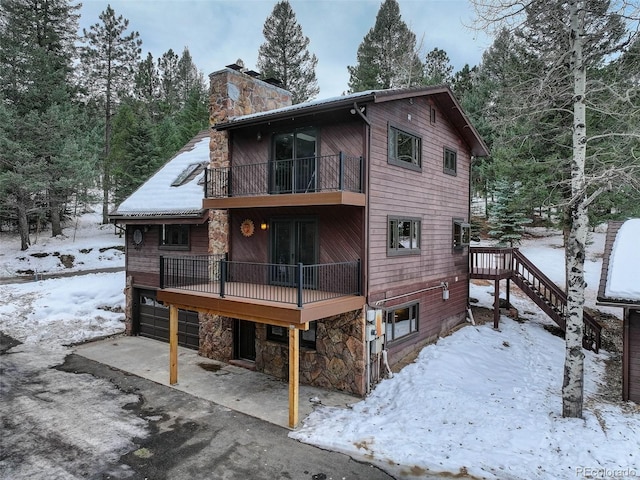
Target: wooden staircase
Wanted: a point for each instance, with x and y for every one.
(511, 264)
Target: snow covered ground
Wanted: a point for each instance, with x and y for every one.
(479, 403)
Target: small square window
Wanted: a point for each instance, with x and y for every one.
(174, 237)
(401, 322)
(450, 161)
(405, 149)
(403, 236)
(461, 233)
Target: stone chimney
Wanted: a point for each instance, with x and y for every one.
(234, 91)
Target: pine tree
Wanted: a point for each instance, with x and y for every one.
(437, 68)
(147, 83)
(387, 56)
(133, 151)
(506, 219)
(109, 60)
(169, 94)
(285, 56)
(37, 40)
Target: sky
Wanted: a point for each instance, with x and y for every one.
(218, 32)
(479, 402)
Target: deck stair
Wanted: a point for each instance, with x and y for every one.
(511, 264)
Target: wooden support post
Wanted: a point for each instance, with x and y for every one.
(496, 305)
(508, 295)
(294, 360)
(173, 345)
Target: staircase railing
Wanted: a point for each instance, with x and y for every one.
(537, 286)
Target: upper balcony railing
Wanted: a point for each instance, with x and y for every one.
(292, 284)
(329, 173)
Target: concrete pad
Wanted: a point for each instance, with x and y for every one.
(236, 388)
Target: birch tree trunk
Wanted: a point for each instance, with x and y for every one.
(573, 384)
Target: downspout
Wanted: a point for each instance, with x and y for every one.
(469, 314)
(365, 233)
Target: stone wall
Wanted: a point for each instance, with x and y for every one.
(216, 337)
(337, 363)
(231, 93)
(128, 305)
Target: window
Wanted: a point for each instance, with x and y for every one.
(401, 322)
(174, 237)
(403, 236)
(281, 335)
(461, 233)
(188, 174)
(450, 161)
(405, 149)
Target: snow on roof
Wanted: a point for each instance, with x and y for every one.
(624, 263)
(157, 196)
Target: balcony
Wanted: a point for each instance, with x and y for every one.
(277, 294)
(326, 180)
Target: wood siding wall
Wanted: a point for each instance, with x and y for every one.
(339, 232)
(431, 195)
(143, 263)
(253, 145)
(631, 382)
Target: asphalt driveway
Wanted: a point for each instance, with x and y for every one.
(82, 419)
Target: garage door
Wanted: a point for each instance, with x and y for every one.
(152, 320)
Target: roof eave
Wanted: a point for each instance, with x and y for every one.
(199, 217)
(298, 112)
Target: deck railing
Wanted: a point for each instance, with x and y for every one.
(292, 284)
(510, 263)
(339, 172)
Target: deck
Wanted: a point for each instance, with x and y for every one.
(317, 304)
(491, 263)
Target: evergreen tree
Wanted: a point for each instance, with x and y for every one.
(21, 172)
(285, 56)
(133, 151)
(109, 60)
(506, 219)
(387, 56)
(437, 68)
(169, 88)
(463, 81)
(37, 40)
(190, 79)
(147, 84)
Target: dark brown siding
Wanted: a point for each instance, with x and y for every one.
(339, 231)
(431, 195)
(143, 263)
(633, 356)
(347, 137)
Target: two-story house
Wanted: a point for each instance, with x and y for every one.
(330, 239)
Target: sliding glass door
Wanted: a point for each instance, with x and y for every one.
(293, 241)
(294, 166)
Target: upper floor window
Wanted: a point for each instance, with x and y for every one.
(450, 161)
(174, 237)
(405, 149)
(461, 233)
(401, 322)
(403, 236)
